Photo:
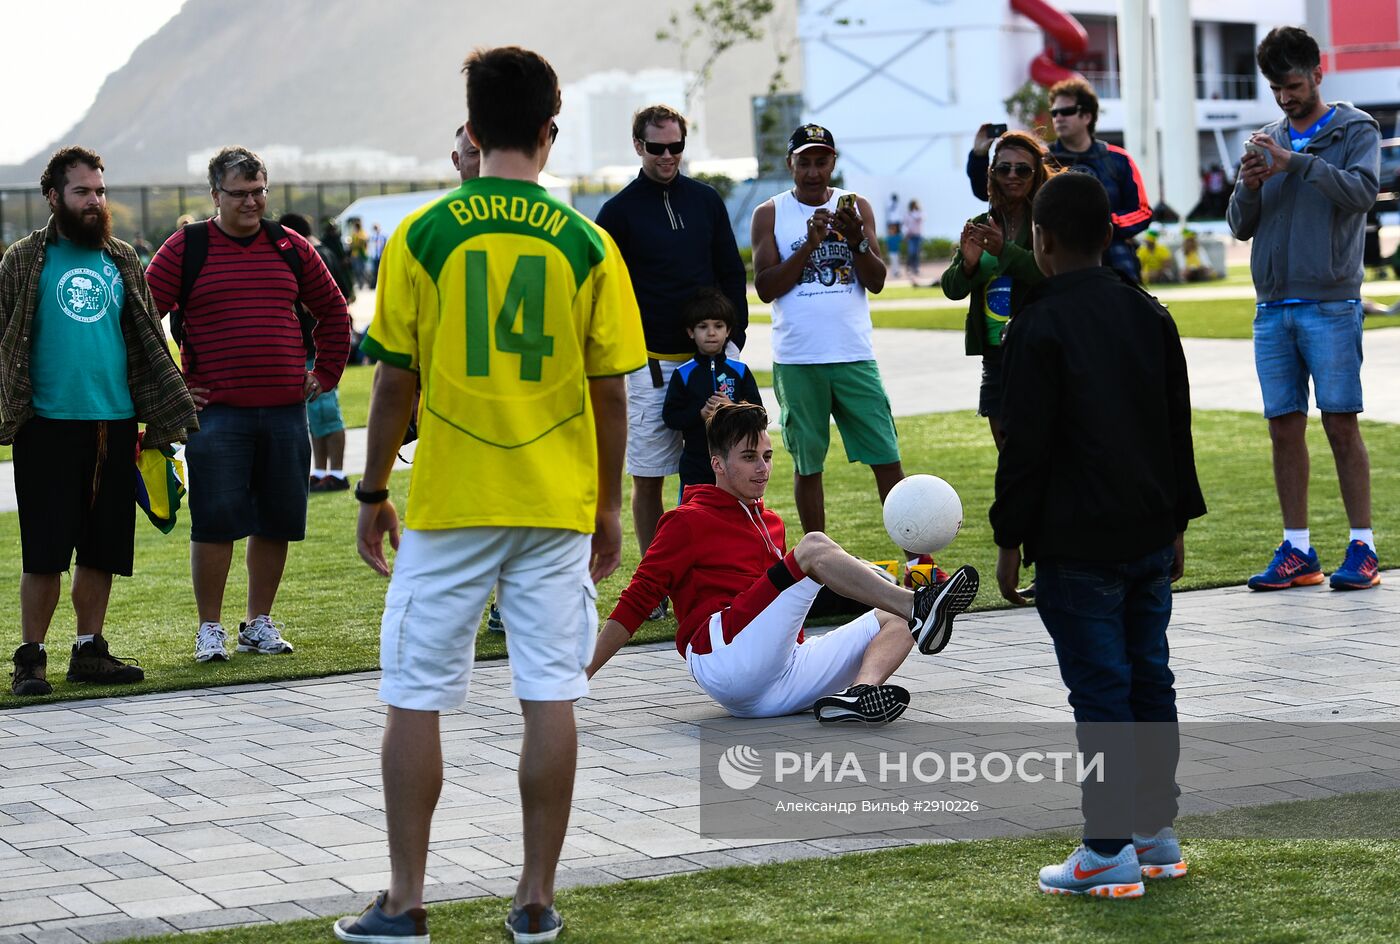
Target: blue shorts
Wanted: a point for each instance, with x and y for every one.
(248, 469)
(1296, 340)
(323, 415)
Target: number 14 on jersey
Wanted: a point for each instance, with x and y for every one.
(523, 302)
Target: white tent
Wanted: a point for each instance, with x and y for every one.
(389, 210)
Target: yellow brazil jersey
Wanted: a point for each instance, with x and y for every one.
(505, 301)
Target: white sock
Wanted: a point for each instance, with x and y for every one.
(1299, 538)
(319, 473)
(1363, 534)
(41, 647)
(338, 473)
(83, 640)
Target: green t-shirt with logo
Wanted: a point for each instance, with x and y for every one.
(77, 357)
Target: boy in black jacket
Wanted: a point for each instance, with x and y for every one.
(1097, 480)
(702, 383)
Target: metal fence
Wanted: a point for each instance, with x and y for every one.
(152, 211)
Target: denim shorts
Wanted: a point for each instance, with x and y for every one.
(323, 414)
(1298, 339)
(248, 469)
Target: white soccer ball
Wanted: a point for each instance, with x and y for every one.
(923, 514)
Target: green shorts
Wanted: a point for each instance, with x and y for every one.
(812, 394)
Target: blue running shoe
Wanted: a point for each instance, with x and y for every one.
(1086, 872)
(494, 623)
(1360, 570)
(373, 926)
(534, 924)
(1289, 568)
(1159, 855)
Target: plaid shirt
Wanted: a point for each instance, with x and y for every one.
(158, 391)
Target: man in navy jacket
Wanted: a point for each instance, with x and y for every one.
(675, 236)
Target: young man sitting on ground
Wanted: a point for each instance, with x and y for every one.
(740, 599)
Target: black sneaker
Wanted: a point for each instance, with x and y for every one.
(870, 704)
(31, 670)
(935, 607)
(91, 662)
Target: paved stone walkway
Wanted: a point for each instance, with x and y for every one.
(262, 803)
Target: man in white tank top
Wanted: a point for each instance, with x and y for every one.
(815, 255)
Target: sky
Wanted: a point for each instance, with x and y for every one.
(93, 39)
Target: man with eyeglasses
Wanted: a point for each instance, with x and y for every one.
(675, 236)
(236, 280)
(1074, 110)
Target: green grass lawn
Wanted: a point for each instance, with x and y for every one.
(331, 602)
(1218, 318)
(1245, 891)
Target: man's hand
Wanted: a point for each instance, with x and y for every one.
(1255, 169)
(818, 227)
(200, 395)
(376, 521)
(607, 545)
(982, 141)
(848, 224)
(1179, 564)
(1008, 570)
(716, 401)
(310, 387)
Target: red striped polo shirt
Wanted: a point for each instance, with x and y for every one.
(241, 324)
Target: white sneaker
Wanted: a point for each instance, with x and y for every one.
(210, 642)
(262, 636)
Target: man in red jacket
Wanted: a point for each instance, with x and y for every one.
(740, 599)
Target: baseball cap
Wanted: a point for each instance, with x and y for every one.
(810, 136)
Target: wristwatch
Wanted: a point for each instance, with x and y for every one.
(863, 246)
(370, 498)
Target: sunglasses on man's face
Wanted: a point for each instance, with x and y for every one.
(1065, 112)
(656, 148)
(1006, 170)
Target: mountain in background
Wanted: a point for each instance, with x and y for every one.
(342, 76)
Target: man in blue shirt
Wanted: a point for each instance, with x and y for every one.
(90, 360)
(675, 236)
(1305, 184)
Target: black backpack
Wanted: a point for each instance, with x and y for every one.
(197, 250)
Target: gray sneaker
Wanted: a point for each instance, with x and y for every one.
(373, 926)
(262, 636)
(534, 924)
(1159, 855)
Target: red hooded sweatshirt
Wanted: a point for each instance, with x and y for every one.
(705, 553)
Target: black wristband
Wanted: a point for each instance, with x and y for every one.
(370, 498)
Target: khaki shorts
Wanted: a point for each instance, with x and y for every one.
(653, 448)
(853, 393)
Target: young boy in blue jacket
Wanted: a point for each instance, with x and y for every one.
(701, 384)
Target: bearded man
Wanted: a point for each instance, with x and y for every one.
(83, 359)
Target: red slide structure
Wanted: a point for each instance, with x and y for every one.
(1060, 26)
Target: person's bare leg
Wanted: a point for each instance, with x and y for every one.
(411, 766)
(1290, 446)
(335, 451)
(1353, 465)
(548, 756)
(267, 558)
(646, 508)
(38, 598)
(209, 563)
(886, 651)
(810, 496)
(319, 450)
(824, 561)
(887, 477)
(90, 591)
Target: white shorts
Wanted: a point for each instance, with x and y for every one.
(762, 672)
(653, 448)
(427, 640)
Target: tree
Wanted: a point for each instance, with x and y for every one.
(712, 27)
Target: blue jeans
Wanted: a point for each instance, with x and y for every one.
(248, 470)
(1109, 626)
(1319, 339)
